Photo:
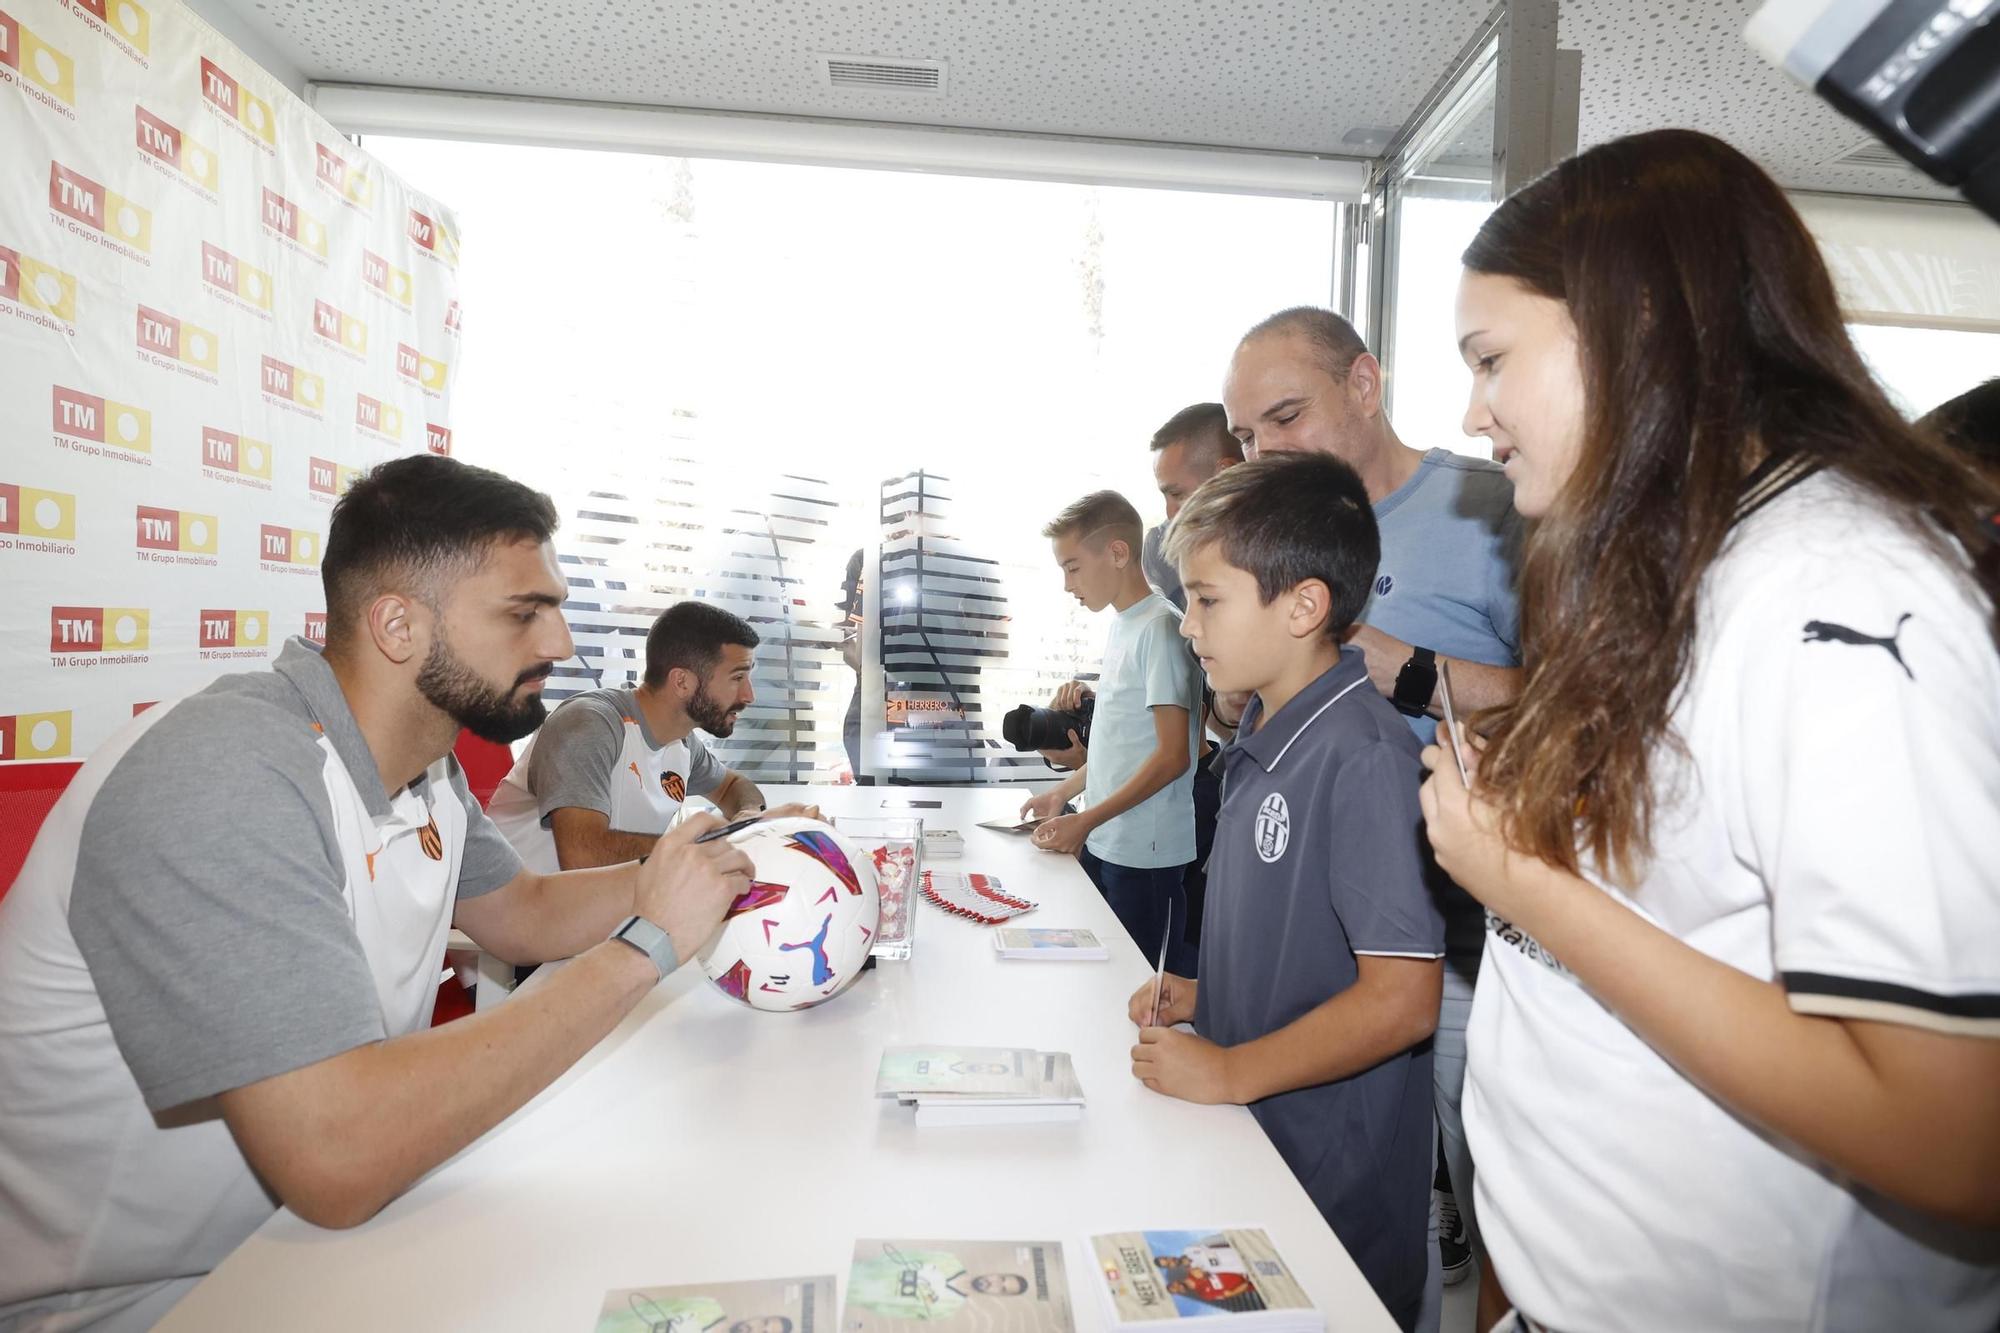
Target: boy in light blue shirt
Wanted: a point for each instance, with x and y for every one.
(1135, 834)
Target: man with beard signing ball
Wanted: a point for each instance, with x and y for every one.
(604, 778)
(218, 964)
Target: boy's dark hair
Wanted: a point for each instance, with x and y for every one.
(1335, 343)
(1283, 519)
(1971, 421)
(1204, 429)
(691, 635)
(416, 523)
(1107, 512)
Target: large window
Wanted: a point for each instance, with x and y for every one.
(734, 376)
(1922, 367)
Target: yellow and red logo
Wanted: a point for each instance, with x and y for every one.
(78, 196)
(378, 416)
(39, 62)
(330, 324)
(39, 286)
(324, 477)
(287, 546)
(437, 438)
(235, 629)
(293, 223)
(293, 385)
(85, 416)
(433, 236)
(176, 530)
(426, 371)
(177, 340)
(97, 629)
(226, 451)
(158, 139)
(351, 184)
(315, 631)
(35, 736)
(125, 18)
(386, 278)
(26, 511)
(241, 105)
(225, 272)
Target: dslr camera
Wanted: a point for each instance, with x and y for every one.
(1032, 728)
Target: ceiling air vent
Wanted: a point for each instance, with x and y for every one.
(1873, 154)
(880, 74)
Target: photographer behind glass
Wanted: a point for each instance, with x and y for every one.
(1135, 837)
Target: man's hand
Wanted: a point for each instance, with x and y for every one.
(1176, 1002)
(1076, 756)
(1071, 696)
(685, 886)
(1062, 833)
(1046, 806)
(1385, 654)
(1180, 1064)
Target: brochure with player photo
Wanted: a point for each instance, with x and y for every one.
(1049, 943)
(1210, 1273)
(774, 1305)
(982, 1286)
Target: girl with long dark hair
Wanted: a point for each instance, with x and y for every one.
(1735, 1056)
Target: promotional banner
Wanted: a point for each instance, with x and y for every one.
(215, 313)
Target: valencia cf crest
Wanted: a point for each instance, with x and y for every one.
(429, 839)
(674, 785)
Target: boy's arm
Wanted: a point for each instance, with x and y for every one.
(1392, 1005)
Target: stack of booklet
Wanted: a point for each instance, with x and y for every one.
(983, 1286)
(981, 1085)
(1233, 1277)
(799, 1304)
(943, 842)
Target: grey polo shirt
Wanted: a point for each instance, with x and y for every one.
(1319, 856)
(224, 893)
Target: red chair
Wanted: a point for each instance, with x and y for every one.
(485, 763)
(27, 793)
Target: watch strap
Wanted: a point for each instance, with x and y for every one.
(650, 940)
(1415, 683)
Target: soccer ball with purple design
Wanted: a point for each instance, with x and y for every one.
(804, 928)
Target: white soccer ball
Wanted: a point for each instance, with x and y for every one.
(804, 929)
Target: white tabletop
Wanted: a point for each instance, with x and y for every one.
(705, 1141)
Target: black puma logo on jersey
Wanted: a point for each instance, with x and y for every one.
(1825, 631)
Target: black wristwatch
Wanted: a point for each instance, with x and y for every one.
(1416, 682)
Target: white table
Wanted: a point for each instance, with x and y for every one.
(705, 1141)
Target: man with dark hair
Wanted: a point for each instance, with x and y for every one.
(1303, 381)
(1193, 446)
(604, 779)
(217, 964)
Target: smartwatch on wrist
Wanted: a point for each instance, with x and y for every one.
(650, 940)
(1415, 683)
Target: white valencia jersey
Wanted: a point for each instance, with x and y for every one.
(1834, 828)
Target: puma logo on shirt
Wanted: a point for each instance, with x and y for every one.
(1825, 631)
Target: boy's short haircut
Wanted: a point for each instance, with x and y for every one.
(1105, 512)
(1204, 429)
(691, 635)
(1283, 519)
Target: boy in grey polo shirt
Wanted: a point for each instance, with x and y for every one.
(1322, 938)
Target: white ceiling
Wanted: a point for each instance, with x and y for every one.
(1305, 75)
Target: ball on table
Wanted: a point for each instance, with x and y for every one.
(803, 929)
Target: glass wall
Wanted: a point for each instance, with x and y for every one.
(736, 378)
